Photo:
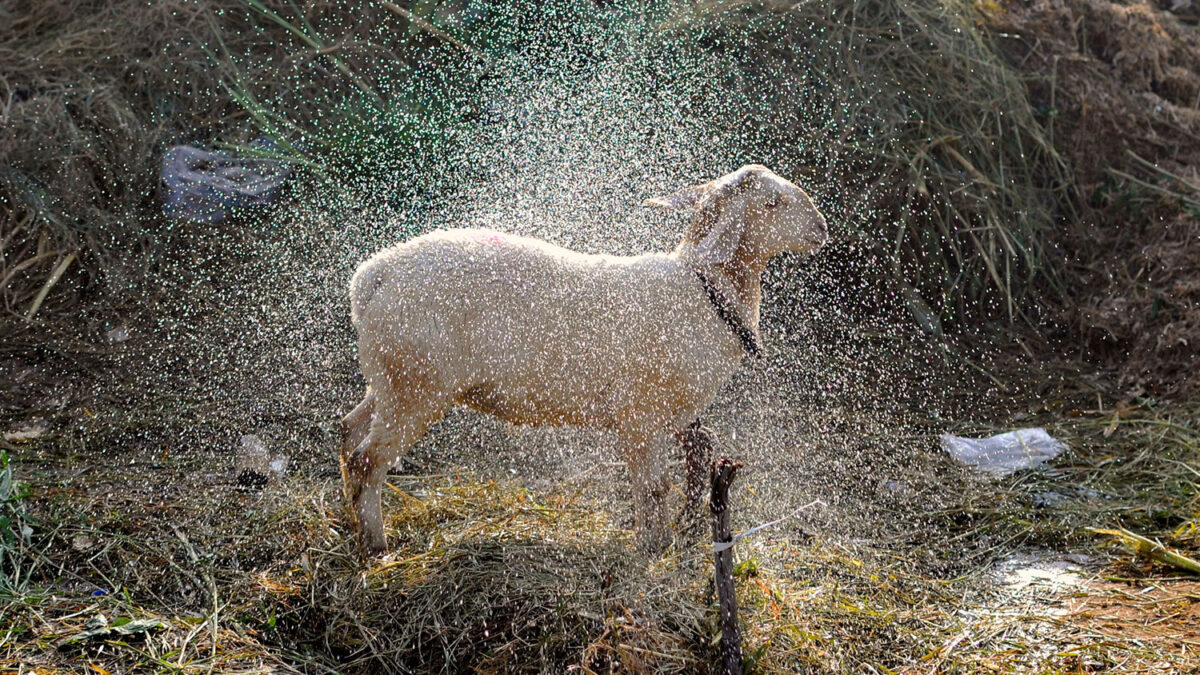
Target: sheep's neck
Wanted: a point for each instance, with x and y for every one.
(740, 279)
(745, 278)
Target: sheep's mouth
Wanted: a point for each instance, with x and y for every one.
(811, 246)
(789, 263)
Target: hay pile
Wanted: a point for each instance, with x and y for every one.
(1117, 87)
(483, 575)
(944, 178)
(954, 189)
(94, 91)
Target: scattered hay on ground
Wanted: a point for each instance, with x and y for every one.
(498, 576)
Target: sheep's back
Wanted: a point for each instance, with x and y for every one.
(541, 327)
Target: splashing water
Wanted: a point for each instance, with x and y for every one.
(563, 139)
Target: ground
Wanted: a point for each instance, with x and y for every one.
(511, 547)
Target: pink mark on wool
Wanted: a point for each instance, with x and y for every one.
(489, 238)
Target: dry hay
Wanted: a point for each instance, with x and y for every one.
(92, 92)
(91, 95)
(492, 577)
(482, 576)
(1056, 617)
(952, 190)
(486, 576)
(1140, 608)
(1117, 86)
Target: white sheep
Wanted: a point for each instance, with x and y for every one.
(537, 334)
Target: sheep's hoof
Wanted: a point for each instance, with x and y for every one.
(372, 546)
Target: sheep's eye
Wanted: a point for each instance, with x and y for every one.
(774, 201)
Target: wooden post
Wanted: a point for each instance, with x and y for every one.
(723, 471)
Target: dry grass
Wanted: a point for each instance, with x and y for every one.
(501, 578)
(954, 188)
(102, 87)
(481, 576)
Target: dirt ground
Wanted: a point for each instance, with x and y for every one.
(511, 547)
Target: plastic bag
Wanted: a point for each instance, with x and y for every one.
(204, 187)
(1005, 453)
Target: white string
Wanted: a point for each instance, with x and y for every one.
(719, 546)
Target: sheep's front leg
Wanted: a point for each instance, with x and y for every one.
(363, 473)
(645, 454)
(698, 443)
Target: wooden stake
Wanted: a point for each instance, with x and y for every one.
(723, 471)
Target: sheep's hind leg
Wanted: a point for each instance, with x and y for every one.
(356, 425)
(394, 429)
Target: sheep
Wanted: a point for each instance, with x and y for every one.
(536, 334)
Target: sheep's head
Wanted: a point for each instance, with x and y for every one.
(750, 215)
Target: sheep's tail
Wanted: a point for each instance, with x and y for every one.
(363, 286)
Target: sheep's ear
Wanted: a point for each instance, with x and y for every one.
(684, 199)
(727, 216)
